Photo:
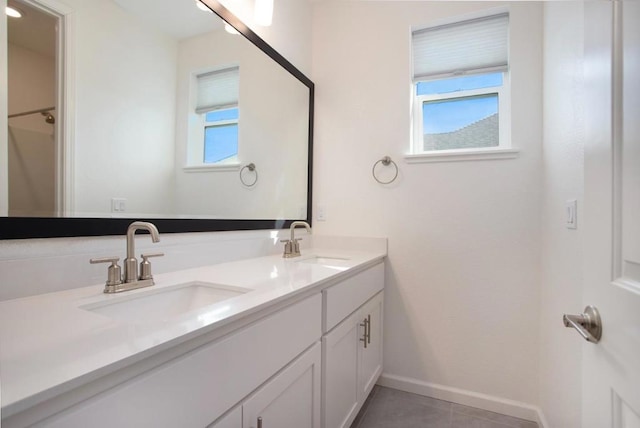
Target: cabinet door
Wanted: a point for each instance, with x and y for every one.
(340, 370)
(291, 399)
(370, 365)
(232, 420)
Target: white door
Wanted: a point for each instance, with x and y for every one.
(611, 368)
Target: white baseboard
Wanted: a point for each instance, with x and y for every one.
(491, 403)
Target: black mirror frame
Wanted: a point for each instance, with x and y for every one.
(58, 227)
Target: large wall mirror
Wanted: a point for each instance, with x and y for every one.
(150, 109)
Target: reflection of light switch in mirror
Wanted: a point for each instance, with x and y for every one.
(118, 205)
(572, 212)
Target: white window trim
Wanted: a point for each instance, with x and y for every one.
(504, 150)
(227, 167)
(457, 155)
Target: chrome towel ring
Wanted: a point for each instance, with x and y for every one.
(252, 168)
(385, 161)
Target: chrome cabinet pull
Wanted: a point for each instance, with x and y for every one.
(588, 324)
(259, 421)
(366, 338)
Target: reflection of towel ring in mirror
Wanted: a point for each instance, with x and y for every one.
(386, 161)
(251, 167)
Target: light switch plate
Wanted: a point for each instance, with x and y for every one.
(322, 213)
(572, 214)
(118, 205)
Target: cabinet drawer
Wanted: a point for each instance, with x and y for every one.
(344, 298)
(200, 386)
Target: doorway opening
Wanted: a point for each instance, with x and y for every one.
(34, 146)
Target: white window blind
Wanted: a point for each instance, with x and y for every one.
(218, 89)
(466, 47)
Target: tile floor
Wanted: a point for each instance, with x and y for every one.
(390, 408)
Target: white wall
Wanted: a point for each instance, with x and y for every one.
(290, 31)
(125, 116)
(462, 296)
(31, 150)
(563, 179)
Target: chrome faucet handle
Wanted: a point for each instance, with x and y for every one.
(114, 276)
(288, 248)
(145, 265)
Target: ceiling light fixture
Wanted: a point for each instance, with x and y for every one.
(13, 12)
(202, 6)
(263, 12)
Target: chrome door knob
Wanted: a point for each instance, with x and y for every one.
(588, 324)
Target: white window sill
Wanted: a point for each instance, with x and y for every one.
(212, 168)
(462, 155)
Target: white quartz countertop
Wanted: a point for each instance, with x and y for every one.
(52, 343)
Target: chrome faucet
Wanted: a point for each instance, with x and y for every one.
(131, 279)
(291, 246)
(131, 263)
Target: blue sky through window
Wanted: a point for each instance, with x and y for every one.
(455, 113)
(452, 114)
(220, 142)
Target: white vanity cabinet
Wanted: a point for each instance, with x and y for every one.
(197, 388)
(305, 362)
(352, 350)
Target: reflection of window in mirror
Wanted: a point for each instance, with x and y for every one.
(221, 136)
(214, 141)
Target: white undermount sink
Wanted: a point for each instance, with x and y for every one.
(324, 260)
(164, 303)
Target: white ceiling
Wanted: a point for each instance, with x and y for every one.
(36, 30)
(178, 18)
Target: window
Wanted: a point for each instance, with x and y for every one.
(213, 134)
(221, 136)
(460, 86)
